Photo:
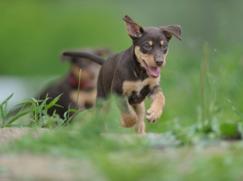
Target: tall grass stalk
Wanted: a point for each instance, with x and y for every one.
(4, 111)
(203, 84)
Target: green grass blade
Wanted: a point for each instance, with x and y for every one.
(53, 102)
(7, 99)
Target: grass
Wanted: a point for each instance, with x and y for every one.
(209, 146)
(34, 111)
(198, 137)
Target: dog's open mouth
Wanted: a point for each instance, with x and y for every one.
(152, 71)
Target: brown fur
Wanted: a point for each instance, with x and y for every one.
(128, 120)
(78, 87)
(129, 86)
(82, 98)
(144, 59)
(134, 74)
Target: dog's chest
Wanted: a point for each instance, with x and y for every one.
(136, 91)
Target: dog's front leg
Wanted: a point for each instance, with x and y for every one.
(140, 111)
(157, 106)
(128, 116)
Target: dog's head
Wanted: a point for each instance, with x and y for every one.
(151, 44)
(84, 70)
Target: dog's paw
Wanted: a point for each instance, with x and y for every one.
(128, 120)
(153, 114)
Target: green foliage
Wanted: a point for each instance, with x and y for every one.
(35, 32)
(202, 82)
(95, 134)
(3, 110)
(32, 113)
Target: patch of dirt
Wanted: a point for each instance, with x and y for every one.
(41, 167)
(37, 167)
(10, 134)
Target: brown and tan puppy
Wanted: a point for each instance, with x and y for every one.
(134, 74)
(78, 87)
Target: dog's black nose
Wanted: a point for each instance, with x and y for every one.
(159, 63)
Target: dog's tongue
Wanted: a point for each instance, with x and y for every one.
(154, 71)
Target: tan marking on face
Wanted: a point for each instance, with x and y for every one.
(90, 73)
(150, 43)
(164, 58)
(76, 71)
(82, 97)
(161, 42)
(142, 57)
(129, 86)
(80, 74)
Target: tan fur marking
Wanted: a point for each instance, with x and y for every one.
(164, 58)
(129, 86)
(77, 71)
(129, 117)
(81, 74)
(128, 120)
(140, 111)
(81, 97)
(147, 58)
(161, 42)
(150, 43)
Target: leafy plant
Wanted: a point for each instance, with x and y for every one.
(4, 111)
(33, 113)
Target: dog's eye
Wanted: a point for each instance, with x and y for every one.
(147, 46)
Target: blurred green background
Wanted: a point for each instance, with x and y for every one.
(33, 33)
(202, 83)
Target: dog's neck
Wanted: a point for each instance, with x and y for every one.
(139, 71)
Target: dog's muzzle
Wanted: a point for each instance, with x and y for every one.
(159, 63)
(159, 60)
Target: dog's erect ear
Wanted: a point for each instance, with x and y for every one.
(172, 30)
(134, 30)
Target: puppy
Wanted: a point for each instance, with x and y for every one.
(77, 89)
(134, 74)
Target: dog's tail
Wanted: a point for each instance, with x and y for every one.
(75, 55)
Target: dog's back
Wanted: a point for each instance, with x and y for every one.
(105, 77)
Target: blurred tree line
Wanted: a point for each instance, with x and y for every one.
(33, 33)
